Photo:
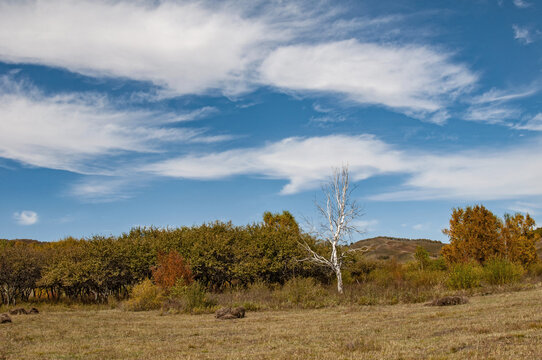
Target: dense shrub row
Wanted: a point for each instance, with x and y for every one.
(191, 269)
(369, 282)
(220, 255)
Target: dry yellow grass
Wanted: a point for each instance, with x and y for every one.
(503, 326)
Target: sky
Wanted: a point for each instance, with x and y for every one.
(116, 114)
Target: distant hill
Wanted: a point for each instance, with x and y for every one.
(384, 247)
(27, 241)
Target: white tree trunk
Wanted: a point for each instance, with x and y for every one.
(339, 211)
(336, 265)
(339, 281)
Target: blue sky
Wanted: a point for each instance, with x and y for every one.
(116, 114)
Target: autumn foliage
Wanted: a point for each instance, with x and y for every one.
(171, 268)
(476, 234)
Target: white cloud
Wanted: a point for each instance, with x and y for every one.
(414, 78)
(480, 174)
(367, 225)
(493, 107)
(523, 35)
(525, 207)
(533, 124)
(304, 162)
(521, 4)
(492, 114)
(197, 47)
(76, 131)
(185, 46)
(26, 217)
(497, 95)
(104, 189)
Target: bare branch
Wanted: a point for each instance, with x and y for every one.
(339, 211)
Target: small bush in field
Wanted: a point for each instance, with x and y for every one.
(171, 269)
(144, 296)
(391, 274)
(465, 276)
(500, 271)
(302, 292)
(258, 292)
(535, 269)
(360, 268)
(422, 257)
(438, 264)
(189, 298)
(381, 277)
(425, 278)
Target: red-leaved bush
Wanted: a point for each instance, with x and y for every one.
(171, 267)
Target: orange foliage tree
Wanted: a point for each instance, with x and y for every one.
(474, 235)
(477, 234)
(519, 238)
(171, 268)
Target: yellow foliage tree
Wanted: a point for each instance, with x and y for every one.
(519, 239)
(474, 235)
(477, 234)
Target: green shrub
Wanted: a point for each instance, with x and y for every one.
(424, 278)
(422, 257)
(144, 296)
(438, 264)
(465, 276)
(360, 268)
(302, 292)
(500, 271)
(191, 298)
(390, 274)
(535, 269)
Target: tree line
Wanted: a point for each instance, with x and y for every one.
(92, 269)
(476, 234)
(221, 255)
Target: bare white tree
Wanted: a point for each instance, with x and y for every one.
(339, 212)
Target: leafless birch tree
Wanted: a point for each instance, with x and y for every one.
(339, 212)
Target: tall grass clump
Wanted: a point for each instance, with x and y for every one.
(145, 296)
(465, 276)
(256, 296)
(391, 273)
(500, 272)
(303, 293)
(425, 278)
(535, 269)
(192, 298)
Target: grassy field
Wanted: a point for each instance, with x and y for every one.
(503, 326)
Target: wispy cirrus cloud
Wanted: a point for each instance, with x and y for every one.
(103, 189)
(522, 4)
(413, 78)
(200, 47)
(478, 174)
(525, 207)
(491, 114)
(186, 47)
(499, 95)
(82, 132)
(499, 106)
(304, 162)
(533, 124)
